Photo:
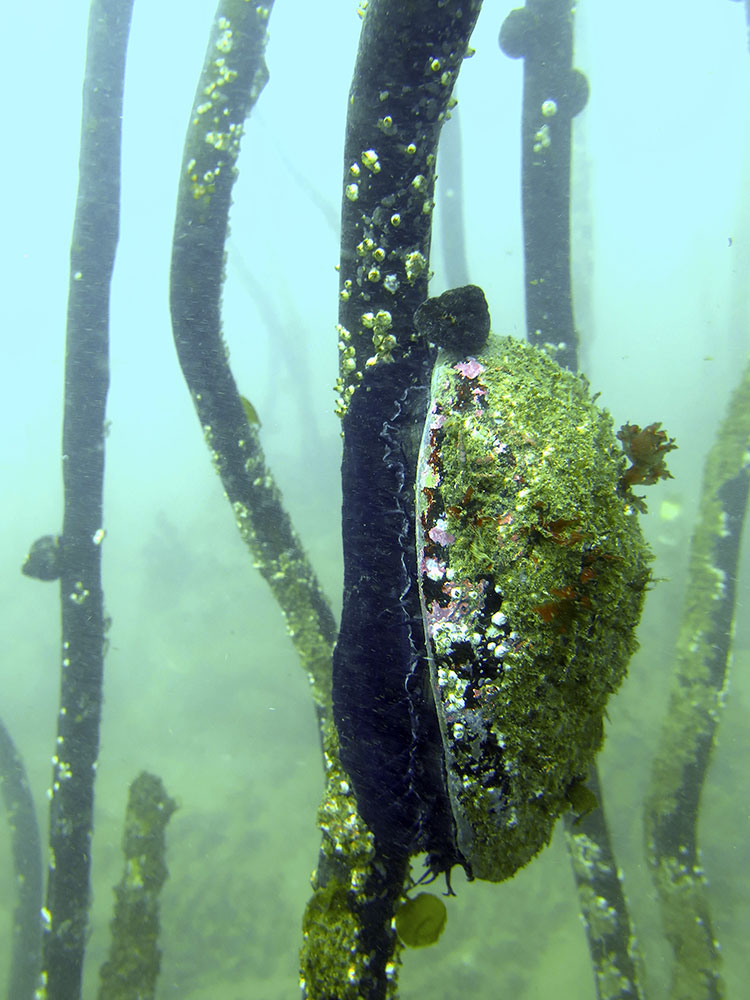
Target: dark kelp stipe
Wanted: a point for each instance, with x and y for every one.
(408, 60)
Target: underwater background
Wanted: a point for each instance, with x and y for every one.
(202, 685)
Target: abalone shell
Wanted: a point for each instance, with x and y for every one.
(532, 570)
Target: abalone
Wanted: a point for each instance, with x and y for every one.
(532, 571)
(494, 576)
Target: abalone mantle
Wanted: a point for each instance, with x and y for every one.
(532, 569)
(389, 738)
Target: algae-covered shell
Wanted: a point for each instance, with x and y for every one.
(532, 569)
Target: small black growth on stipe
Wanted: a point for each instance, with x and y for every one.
(458, 320)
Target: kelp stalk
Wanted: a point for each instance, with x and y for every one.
(94, 241)
(408, 60)
(687, 738)
(615, 957)
(233, 76)
(132, 968)
(553, 93)
(27, 865)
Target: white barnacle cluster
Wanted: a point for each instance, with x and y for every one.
(452, 690)
(80, 593)
(497, 642)
(343, 388)
(351, 190)
(221, 134)
(370, 161)
(365, 246)
(585, 854)
(599, 915)
(212, 92)
(382, 339)
(374, 256)
(415, 264)
(62, 772)
(348, 361)
(224, 39)
(610, 981)
(224, 74)
(225, 141)
(339, 819)
(719, 582)
(541, 139)
(382, 321)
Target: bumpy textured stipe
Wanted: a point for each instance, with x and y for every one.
(704, 649)
(132, 969)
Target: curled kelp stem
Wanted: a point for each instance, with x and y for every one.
(26, 938)
(687, 738)
(93, 245)
(233, 76)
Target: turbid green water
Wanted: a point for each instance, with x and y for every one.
(202, 686)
